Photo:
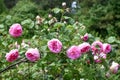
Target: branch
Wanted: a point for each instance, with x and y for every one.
(12, 65)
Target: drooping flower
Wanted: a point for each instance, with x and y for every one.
(15, 30)
(32, 54)
(12, 55)
(106, 48)
(85, 37)
(97, 47)
(54, 45)
(84, 47)
(73, 52)
(97, 59)
(114, 67)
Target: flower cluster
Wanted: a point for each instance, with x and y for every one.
(100, 50)
(31, 54)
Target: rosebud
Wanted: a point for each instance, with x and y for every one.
(50, 16)
(85, 37)
(114, 67)
(64, 4)
(37, 17)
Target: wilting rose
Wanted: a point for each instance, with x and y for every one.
(97, 47)
(12, 55)
(106, 48)
(73, 52)
(97, 59)
(32, 54)
(54, 45)
(114, 67)
(84, 47)
(15, 30)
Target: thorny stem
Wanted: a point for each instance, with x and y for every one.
(12, 65)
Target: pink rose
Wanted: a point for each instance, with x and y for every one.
(106, 48)
(97, 59)
(114, 67)
(15, 30)
(12, 55)
(97, 47)
(84, 47)
(103, 55)
(32, 54)
(54, 45)
(73, 52)
(85, 37)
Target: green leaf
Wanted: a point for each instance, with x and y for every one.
(1, 26)
(111, 39)
(56, 10)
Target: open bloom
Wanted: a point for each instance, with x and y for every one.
(85, 37)
(114, 67)
(106, 48)
(97, 47)
(32, 54)
(54, 45)
(84, 47)
(12, 55)
(73, 52)
(15, 30)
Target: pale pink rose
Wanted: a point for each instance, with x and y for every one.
(97, 47)
(15, 30)
(32, 54)
(84, 47)
(114, 67)
(103, 55)
(97, 59)
(106, 48)
(54, 45)
(12, 55)
(85, 37)
(73, 52)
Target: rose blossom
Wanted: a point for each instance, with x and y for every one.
(84, 47)
(54, 45)
(97, 47)
(114, 67)
(32, 54)
(85, 37)
(106, 48)
(12, 55)
(73, 52)
(15, 30)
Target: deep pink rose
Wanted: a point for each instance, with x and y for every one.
(12, 55)
(73, 52)
(85, 37)
(54, 45)
(106, 48)
(84, 47)
(114, 67)
(97, 47)
(32, 54)
(15, 30)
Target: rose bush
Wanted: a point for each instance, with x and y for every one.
(74, 56)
